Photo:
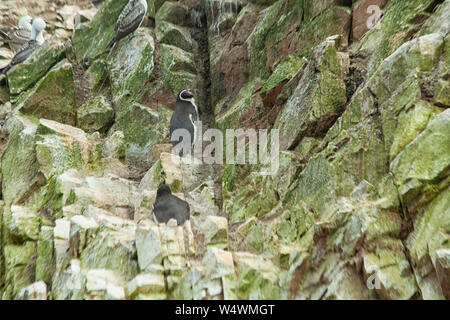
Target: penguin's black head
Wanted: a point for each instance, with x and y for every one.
(163, 190)
(186, 94)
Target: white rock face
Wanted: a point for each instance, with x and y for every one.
(62, 229)
(35, 291)
(146, 284)
(216, 231)
(149, 247)
(103, 283)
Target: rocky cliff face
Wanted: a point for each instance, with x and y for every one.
(360, 205)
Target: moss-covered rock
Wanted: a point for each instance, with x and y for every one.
(141, 126)
(172, 12)
(91, 39)
(173, 34)
(399, 22)
(24, 224)
(45, 261)
(285, 70)
(273, 38)
(19, 164)
(244, 103)
(256, 277)
(53, 97)
(175, 59)
(318, 99)
(114, 250)
(19, 266)
(393, 277)
(96, 74)
(423, 164)
(130, 68)
(60, 147)
(260, 193)
(25, 75)
(96, 115)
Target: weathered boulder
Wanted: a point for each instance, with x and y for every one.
(318, 99)
(60, 147)
(53, 96)
(96, 115)
(24, 224)
(215, 230)
(175, 35)
(25, 75)
(104, 284)
(19, 164)
(130, 67)
(147, 286)
(91, 39)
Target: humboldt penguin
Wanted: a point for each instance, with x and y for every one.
(18, 36)
(129, 20)
(167, 206)
(25, 51)
(185, 115)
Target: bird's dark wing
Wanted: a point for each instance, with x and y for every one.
(4, 33)
(180, 120)
(24, 52)
(182, 207)
(129, 19)
(20, 35)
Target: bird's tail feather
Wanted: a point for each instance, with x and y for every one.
(112, 48)
(4, 34)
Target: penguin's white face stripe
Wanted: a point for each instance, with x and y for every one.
(181, 94)
(191, 100)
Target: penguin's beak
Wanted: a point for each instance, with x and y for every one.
(195, 90)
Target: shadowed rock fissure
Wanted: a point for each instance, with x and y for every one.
(199, 32)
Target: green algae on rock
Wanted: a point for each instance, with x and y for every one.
(23, 76)
(53, 96)
(130, 68)
(97, 115)
(91, 39)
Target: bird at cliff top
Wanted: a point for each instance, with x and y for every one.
(18, 36)
(129, 20)
(167, 206)
(36, 39)
(185, 116)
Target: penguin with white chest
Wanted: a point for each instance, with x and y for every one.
(185, 116)
(128, 21)
(167, 206)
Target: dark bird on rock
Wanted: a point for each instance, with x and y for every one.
(129, 20)
(18, 36)
(167, 206)
(36, 34)
(184, 116)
